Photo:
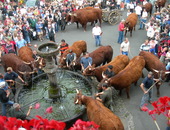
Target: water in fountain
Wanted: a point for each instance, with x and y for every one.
(64, 108)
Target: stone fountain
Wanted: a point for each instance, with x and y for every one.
(56, 88)
(48, 51)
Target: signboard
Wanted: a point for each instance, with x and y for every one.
(30, 3)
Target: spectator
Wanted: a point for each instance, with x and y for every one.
(138, 10)
(63, 46)
(17, 113)
(85, 61)
(125, 47)
(106, 96)
(163, 50)
(21, 42)
(9, 47)
(10, 77)
(152, 46)
(39, 27)
(128, 12)
(97, 32)
(25, 31)
(144, 2)
(51, 33)
(143, 19)
(150, 31)
(4, 98)
(145, 46)
(132, 7)
(118, 3)
(121, 28)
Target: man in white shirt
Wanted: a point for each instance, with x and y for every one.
(138, 10)
(125, 47)
(131, 6)
(144, 2)
(97, 32)
(143, 19)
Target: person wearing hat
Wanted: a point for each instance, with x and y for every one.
(121, 29)
(108, 73)
(63, 46)
(70, 58)
(97, 32)
(4, 97)
(145, 85)
(10, 77)
(105, 96)
(16, 112)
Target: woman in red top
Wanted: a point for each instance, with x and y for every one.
(9, 46)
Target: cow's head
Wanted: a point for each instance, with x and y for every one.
(78, 98)
(26, 76)
(105, 80)
(68, 17)
(74, 17)
(89, 70)
(161, 75)
(25, 72)
(127, 25)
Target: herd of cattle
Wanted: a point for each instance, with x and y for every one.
(126, 72)
(94, 15)
(24, 64)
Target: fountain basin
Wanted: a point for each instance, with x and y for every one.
(52, 50)
(64, 108)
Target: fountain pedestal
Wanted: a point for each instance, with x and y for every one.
(48, 51)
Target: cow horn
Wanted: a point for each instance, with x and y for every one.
(28, 63)
(37, 59)
(64, 58)
(167, 72)
(21, 72)
(31, 72)
(75, 15)
(76, 101)
(77, 91)
(155, 70)
(69, 14)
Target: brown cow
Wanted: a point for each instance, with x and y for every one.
(101, 55)
(148, 7)
(159, 4)
(118, 63)
(78, 47)
(130, 23)
(98, 113)
(156, 66)
(12, 60)
(130, 74)
(26, 54)
(86, 15)
(68, 16)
